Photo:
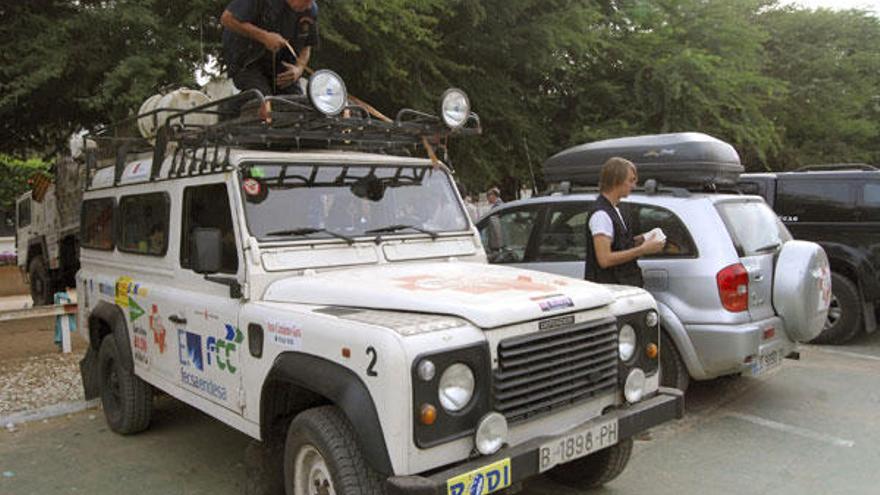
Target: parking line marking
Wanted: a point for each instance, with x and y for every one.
(794, 430)
(856, 355)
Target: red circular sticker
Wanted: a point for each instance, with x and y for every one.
(252, 187)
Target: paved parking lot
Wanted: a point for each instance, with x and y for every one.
(810, 428)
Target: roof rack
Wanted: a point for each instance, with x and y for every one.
(837, 166)
(293, 123)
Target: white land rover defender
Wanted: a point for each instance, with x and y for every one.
(338, 304)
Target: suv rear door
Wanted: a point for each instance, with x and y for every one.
(758, 236)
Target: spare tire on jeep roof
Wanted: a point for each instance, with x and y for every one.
(802, 289)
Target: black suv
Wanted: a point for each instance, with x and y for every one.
(837, 206)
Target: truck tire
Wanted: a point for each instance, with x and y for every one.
(673, 372)
(40, 282)
(127, 400)
(845, 313)
(596, 469)
(321, 452)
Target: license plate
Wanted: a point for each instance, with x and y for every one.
(766, 362)
(576, 445)
(487, 479)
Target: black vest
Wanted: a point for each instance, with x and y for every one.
(626, 274)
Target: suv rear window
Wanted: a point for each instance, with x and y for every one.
(143, 224)
(753, 226)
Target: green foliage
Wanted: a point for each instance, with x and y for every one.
(787, 86)
(14, 175)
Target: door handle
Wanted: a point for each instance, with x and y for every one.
(759, 278)
(177, 319)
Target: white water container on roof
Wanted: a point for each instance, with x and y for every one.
(179, 99)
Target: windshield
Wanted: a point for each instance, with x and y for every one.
(344, 201)
(754, 227)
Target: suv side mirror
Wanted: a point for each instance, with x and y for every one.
(206, 250)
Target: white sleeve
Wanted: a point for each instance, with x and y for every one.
(600, 224)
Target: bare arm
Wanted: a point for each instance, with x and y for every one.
(272, 41)
(608, 258)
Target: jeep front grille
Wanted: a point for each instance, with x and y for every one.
(540, 372)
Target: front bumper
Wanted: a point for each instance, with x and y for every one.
(665, 406)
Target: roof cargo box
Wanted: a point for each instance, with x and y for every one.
(688, 159)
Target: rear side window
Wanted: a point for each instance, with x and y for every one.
(96, 225)
(512, 230)
(24, 213)
(208, 207)
(564, 236)
(816, 200)
(143, 224)
(871, 202)
(753, 226)
(644, 218)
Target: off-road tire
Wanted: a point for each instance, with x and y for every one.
(673, 371)
(849, 323)
(596, 469)
(40, 282)
(127, 400)
(328, 431)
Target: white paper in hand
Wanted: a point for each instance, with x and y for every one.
(655, 233)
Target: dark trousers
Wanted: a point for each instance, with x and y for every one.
(257, 76)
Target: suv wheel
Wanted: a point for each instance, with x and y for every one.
(673, 372)
(844, 315)
(322, 457)
(127, 400)
(40, 282)
(596, 469)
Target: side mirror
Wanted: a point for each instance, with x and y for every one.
(206, 250)
(496, 240)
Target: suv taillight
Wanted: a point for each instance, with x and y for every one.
(733, 287)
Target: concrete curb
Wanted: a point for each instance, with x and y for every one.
(48, 412)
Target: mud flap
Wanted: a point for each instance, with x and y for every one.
(88, 368)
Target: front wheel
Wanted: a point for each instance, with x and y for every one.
(322, 457)
(40, 282)
(596, 469)
(673, 372)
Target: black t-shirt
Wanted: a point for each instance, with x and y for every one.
(299, 28)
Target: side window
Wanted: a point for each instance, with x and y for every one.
(96, 225)
(208, 207)
(564, 235)
(816, 200)
(871, 201)
(506, 235)
(143, 224)
(679, 243)
(24, 213)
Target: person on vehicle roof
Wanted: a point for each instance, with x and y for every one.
(257, 38)
(612, 254)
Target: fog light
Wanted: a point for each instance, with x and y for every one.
(491, 433)
(428, 414)
(634, 388)
(327, 92)
(455, 108)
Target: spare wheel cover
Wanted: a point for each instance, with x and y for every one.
(802, 289)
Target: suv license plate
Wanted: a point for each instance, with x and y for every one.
(766, 362)
(576, 445)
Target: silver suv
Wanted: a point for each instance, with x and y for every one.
(734, 291)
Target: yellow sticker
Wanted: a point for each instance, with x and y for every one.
(487, 479)
(122, 285)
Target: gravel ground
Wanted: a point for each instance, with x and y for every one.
(38, 381)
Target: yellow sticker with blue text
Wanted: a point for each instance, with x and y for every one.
(487, 479)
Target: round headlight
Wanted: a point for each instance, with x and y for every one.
(455, 108)
(427, 370)
(327, 92)
(651, 319)
(491, 433)
(626, 343)
(634, 388)
(456, 387)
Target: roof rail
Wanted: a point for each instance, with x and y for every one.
(292, 123)
(837, 166)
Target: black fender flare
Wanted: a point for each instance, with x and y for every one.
(345, 390)
(113, 316)
(857, 262)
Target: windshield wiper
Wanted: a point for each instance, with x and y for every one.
(768, 247)
(309, 231)
(395, 228)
